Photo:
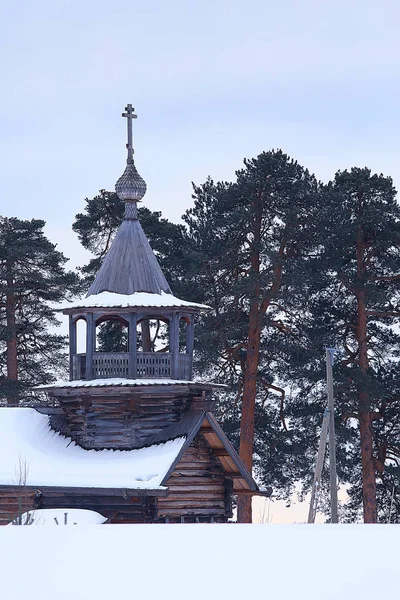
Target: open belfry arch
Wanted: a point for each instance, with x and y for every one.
(133, 436)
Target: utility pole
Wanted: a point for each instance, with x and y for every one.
(328, 427)
(318, 467)
(332, 439)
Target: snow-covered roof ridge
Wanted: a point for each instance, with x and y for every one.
(50, 459)
(138, 299)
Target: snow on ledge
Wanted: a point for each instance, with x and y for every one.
(119, 381)
(30, 449)
(59, 516)
(139, 299)
(116, 381)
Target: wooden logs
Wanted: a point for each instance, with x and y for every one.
(197, 486)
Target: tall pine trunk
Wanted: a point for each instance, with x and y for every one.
(248, 407)
(258, 308)
(252, 359)
(12, 361)
(365, 420)
(146, 338)
(364, 410)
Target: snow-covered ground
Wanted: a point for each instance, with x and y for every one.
(193, 562)
(31, 451)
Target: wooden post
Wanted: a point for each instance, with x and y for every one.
(190, 335)
(90, 331)
(174, 345)
(332, 440)
(190, 344)
(72, 345)
(132, 346)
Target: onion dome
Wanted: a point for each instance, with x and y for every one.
(130, 187)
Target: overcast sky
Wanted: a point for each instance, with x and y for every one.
(212, 82)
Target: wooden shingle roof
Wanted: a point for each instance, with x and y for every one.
(130, 265)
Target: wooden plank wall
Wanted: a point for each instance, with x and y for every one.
(13, 502)
(197, 488)
(121, 508)
(117, 421)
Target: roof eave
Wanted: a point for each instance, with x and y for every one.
(161, 491)
(253, 487)
(232, 452)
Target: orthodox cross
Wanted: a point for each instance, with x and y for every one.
(129, 114)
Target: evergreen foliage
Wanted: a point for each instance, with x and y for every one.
(285, 263)
(356, 305)
(112, 337)
(348, 247)
(253, 239)
(32, 278)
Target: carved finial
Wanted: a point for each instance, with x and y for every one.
(130, 187)
(129, 114)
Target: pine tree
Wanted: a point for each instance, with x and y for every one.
(32, 277)
(358, 305)
(353, 304)
(253, 240)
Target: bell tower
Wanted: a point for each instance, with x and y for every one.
(158, 332)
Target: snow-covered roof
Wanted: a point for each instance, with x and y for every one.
(28, 445)
(119, 381)
(59, 516)
(139, 300)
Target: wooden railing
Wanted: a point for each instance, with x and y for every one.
(149, 365)
(153, 364)
(110, 364)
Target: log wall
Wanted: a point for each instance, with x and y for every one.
(198, 489)
(115, 420)
(121, 507)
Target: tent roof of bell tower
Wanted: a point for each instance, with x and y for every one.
(130, 265)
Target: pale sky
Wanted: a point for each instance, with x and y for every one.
(212, 82)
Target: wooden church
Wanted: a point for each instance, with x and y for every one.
(133, 436)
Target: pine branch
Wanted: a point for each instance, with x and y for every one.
(385, 278)
(374, 313)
